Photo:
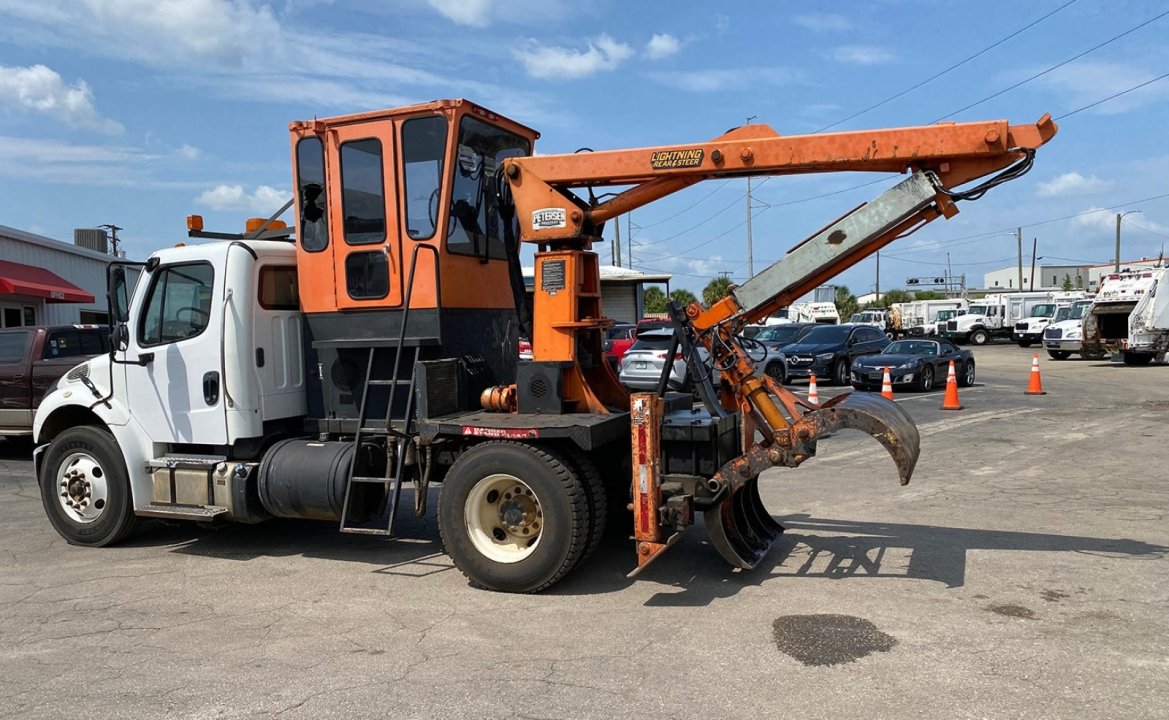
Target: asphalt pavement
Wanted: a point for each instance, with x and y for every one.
(1021, 574)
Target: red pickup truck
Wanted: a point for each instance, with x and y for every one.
(32, 359)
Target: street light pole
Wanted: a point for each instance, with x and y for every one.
(1118, 217)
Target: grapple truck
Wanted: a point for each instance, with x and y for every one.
(319, 371)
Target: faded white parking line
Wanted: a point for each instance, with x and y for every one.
(939, 426)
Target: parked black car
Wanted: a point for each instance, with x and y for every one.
(774, 340)
(828, 351)
(922, 364)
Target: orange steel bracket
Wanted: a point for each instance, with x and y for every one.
(646, 413)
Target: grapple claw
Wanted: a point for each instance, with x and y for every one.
(740, 527)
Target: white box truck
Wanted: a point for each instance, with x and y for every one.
(1029, 330)
(994, 316)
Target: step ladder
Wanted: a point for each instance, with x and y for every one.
(400, 429)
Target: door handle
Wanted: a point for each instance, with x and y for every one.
(211, 387)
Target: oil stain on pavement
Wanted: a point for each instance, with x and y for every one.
(828, 639)
(1015, 611)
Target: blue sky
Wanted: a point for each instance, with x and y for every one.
(138, 112)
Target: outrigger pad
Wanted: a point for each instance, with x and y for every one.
(740, 527)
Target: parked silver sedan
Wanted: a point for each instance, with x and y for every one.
(641, 367)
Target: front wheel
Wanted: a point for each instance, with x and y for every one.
(840, 372)
(925, 381)
(1059, 354)
(513, 517)
(85, 488)
(1025, 343)
(966, 374)
(776, 371)
(979, 337)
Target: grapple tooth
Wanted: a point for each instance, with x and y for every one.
(870, 413)
(740, 528)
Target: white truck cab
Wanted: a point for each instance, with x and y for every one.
(208, 362)
(1063, 336)
(1130, 316)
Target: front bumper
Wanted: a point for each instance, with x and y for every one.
(1064, 345)
(875, 377)
(1027, 336)
(819, 368)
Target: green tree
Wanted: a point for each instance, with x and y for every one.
(846, 303)
(1067, 282)
(927, 295)
(716, 290)
(683, 297)
(892, 297)
(655, 300)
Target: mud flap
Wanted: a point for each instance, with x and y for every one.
(740, 527)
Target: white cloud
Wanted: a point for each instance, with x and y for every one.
(823, 22)
(1087, 81)
(863, 55)
(189, 152)
(40, 89)
(63, 162)
(603, 53)
(662, 45)
(730, 79)
(1104, 220)
(264, 200)
(1071, 183)
(464, 12)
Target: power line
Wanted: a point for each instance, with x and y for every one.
(955, 66)
(1112, 97)
(1057, 66)
(688, 209)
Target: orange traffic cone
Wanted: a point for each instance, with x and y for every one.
(1035, 387)
(813, 395)
(950, 401)
(887, 385)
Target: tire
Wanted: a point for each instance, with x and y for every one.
(595, 494)
(1025, 343)
(966, 374)
(776, 371)
(1059, 354)
(979, 337)
(97, 507)
(840, 372)
(1132, 358)
(925, 381)
(498, 559)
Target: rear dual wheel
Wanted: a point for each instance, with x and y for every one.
(517, 518)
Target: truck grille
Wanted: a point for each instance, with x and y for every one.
(952, 325)
(1052, 333)
(1020, 326)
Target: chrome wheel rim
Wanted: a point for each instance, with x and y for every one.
(968, 371)
(82, 488)
(503, 518)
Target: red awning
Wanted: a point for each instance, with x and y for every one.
(17, 279)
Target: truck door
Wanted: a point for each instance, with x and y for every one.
(367, 255)
(175, 391)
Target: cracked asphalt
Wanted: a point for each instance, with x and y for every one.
(1022, 574)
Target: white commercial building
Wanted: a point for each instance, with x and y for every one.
(49, 282)
(1047, 277)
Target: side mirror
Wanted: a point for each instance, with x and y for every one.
(117, 296)
(120, 337)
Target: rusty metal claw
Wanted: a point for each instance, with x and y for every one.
(872, 414)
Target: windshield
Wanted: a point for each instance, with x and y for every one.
(979, 309)
(1077, 312)
(826, 334)
(911, 347)
(1061, 314)
(1043, 310)
(476, 227)
(780, 334)
(946, 314)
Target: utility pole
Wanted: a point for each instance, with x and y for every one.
(629, 239)
(615, 247)
(1034, 245)
(750, 254)
(1019, 242)
(113, 229)
(1118, 217)
(949, 276)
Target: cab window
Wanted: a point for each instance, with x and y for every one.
(178, 304)
(278, 288)
(310, 178)
(12, 347)
(476, 227)
(363, 194)
(423, 150)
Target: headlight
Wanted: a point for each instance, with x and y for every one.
(825, 356)
(1072, 335)
(907, 366)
